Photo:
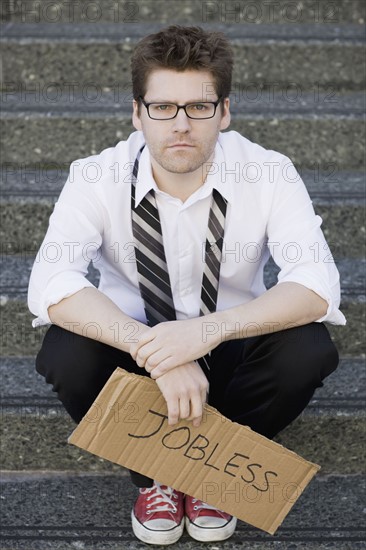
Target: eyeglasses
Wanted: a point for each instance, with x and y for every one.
(166, 111)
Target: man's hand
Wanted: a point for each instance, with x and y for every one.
(168, 345)
(185, 392)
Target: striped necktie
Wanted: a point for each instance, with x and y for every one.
(154, 281)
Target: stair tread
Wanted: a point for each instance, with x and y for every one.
(22, 387)
(41, 184)
(61, 510)
(315, 56)
(15, 271)
(113, 33)
(98, 102)
(186, 11)
(26, 142)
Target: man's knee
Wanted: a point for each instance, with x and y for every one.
(68, 361)
(307, 356)
(76, 367)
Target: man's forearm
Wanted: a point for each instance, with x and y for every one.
(91, 313)
(283, 306)
(175, 343)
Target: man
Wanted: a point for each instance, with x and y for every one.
(180, 220)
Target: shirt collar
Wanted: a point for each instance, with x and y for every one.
(214, 180)
(145, 181)
(216, 174)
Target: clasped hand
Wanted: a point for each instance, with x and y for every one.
(185, 391)
(169, 345)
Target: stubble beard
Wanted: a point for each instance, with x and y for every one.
(184, 162)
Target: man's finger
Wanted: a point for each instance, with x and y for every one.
(184, 407)
(156, 363)
(143, 340)
(173, 411)
(196, 410)
(204, 396)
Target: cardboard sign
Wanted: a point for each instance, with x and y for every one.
(221, 462)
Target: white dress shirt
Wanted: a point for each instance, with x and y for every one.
(269, 213)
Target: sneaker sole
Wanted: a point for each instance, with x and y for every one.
(156, 537)
(210, 535)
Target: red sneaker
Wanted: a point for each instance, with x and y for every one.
(206, 523)
(158, 515)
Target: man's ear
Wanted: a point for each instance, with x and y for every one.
(226, 116)
(136, 121)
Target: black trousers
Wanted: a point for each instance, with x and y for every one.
(263, 382)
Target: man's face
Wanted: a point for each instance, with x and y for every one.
(181, 145)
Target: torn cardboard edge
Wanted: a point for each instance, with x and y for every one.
(221, 462)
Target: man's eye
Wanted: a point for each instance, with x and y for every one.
(165, 107)
(199, 106)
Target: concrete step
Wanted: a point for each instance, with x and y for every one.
(35, 426)
(310, 55)
(22, 387)
(22, 233)
(106, 102)
(333, 128)
(342, 212)
(15, 271)
(325, 187)
(19, 338)
(184, 11)
(62, 511)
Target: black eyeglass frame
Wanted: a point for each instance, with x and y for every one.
(184, 107)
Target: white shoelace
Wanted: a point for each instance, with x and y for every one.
(163, 498)
(203, 505)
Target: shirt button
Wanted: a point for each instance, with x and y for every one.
(186, 291)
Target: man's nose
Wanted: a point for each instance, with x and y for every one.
(181, 122)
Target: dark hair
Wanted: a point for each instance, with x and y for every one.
(182, 48)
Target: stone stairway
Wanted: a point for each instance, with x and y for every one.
(299, 87)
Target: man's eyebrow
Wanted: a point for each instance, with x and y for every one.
(176, 102)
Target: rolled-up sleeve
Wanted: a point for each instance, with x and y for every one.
(297, 243)
(73, 239)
